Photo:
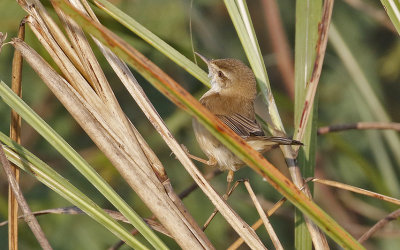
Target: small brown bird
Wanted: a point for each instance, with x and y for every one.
(231, 99)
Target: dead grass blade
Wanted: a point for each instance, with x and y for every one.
(356, 190)
(235, 245)
(380, 224)
(263, 217)
(359, 126)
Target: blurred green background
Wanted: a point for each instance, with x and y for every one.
(353, 157)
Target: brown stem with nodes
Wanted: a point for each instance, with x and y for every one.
(359, 126)
(15, 134)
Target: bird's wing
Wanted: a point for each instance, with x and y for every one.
(241, 125)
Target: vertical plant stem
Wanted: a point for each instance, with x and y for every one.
(241, 19)
(28, 216)
(308, 14)
(15, 132)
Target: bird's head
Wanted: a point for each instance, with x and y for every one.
(231, 76)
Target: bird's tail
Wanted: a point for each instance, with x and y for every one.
(264, 143)
(282, 140)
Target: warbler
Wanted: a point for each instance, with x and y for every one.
(231, 98)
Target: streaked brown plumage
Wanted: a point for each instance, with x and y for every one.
(231, 99)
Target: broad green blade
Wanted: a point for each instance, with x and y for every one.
(78, 162)
(45, 174)
(308, 16)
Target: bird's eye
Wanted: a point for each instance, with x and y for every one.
(221, 74)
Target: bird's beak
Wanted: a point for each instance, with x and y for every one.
(203, 58)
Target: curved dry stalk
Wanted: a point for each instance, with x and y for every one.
(359, 126)
(29, 218)
(392, 216)
(356, 190)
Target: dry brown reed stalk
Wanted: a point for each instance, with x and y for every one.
(356, 190)
(29, 218)
(15, 134)
(392, 216)
(263, 217)
(258, 223)
(280, 44)
(359, 126)
(101, 117)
